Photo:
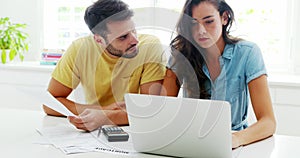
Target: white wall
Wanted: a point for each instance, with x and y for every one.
(287, 107)
(29, 12)
(22, 83)
(20, 86)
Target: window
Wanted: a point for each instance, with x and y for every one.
(271, 24)
(63, 22)
(265, 23)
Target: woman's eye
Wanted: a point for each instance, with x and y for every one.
(209, 21)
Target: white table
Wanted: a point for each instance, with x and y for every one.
(18, 132)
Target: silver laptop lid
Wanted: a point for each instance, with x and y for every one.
(181, 127)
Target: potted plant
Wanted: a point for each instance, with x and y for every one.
(13, 41)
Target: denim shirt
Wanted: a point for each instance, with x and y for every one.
(240, 63)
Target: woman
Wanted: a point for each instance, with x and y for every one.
(208, 63)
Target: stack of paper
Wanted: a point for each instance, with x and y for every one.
(71, 141)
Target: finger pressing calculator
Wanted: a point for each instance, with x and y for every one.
(115, 134)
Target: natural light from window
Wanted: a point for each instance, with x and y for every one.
(263, 22)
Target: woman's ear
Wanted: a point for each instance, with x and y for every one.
(225, 18)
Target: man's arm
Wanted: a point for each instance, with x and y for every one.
(61, 92)
(119, 116)
(91, 119)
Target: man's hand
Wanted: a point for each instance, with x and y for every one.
(90, 119)
(116, 106)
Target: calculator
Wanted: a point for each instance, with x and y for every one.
(115, 134)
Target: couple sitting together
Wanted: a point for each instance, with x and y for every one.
(206, 62)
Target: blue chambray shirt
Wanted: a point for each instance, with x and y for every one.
(240, 63)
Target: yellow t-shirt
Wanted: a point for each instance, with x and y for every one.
(105, 80)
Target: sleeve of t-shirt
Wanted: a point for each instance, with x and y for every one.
(255, 66)
(66, 72)
(155, 66)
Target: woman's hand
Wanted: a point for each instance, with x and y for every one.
(235, 141)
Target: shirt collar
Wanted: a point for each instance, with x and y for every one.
(228, 51)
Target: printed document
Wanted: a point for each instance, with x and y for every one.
(71, 141)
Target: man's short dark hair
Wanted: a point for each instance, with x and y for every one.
(102, 11)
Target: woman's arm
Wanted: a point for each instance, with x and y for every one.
(262, 106)
(170, 87)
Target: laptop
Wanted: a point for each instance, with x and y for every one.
(181, 127)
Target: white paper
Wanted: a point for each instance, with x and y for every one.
(71, 141)
(53, 103)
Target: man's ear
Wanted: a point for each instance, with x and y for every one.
(99, 39)
(225, 18)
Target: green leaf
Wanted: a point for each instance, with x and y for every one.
(12, 54)
(13, 39)
(3, 56)
(21, 56)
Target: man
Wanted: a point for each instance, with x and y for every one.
(108, 64)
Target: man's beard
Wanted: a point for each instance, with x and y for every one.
(119, 53)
